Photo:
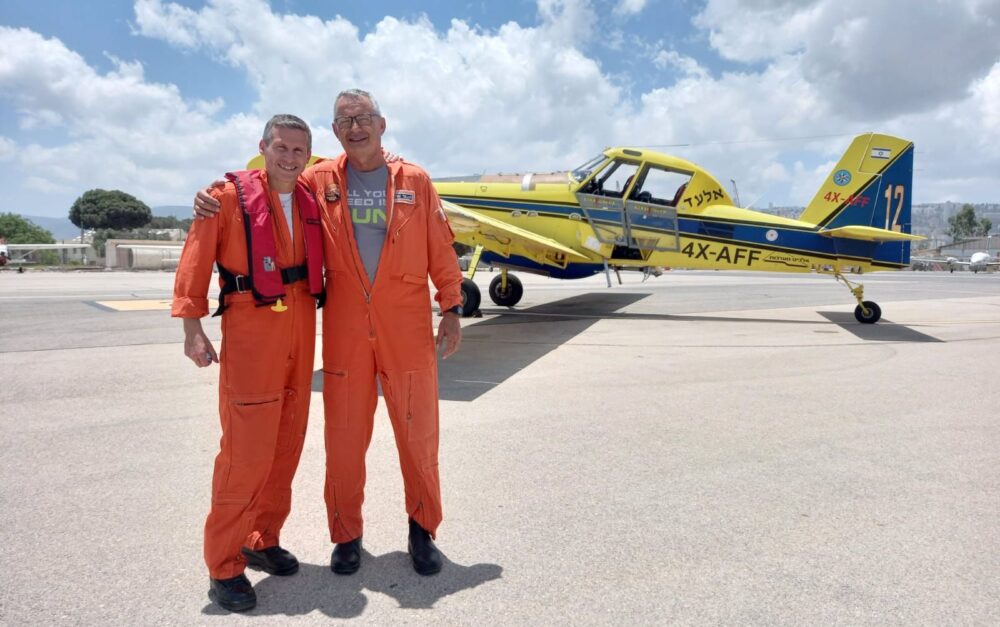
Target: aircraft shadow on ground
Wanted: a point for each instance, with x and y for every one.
(467, 375)
(316, 587)
(883, 331)
(514, 339)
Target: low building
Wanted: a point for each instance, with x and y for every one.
(142, 254)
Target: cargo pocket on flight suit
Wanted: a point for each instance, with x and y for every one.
(253, 432)
(421, 405)
(423, 498)
(292, 432)
(336, 398)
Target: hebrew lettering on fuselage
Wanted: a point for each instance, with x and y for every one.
(702, 197)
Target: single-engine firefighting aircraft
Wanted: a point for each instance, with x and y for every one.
(638, 209)
(632, 208)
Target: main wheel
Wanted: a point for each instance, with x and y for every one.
(873, 315)
(509, 297)
(471, 297)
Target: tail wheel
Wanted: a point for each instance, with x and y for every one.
(508, 297)
(471, 297)
(871, 316)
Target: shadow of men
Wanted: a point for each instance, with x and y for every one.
(316, 587)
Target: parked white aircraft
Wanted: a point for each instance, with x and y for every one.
(980, 261)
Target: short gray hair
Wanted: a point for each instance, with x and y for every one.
(356, 94)
(285, 120)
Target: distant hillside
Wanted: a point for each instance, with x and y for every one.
(63, 229)
(181, 212)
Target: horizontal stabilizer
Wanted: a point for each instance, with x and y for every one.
(870, 234)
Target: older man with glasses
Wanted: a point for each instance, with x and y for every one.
(387, 234)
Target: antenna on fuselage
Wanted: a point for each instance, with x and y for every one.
(736, 192)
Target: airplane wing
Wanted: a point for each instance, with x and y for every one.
(473, 228)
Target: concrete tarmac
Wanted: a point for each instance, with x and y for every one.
(700, 448)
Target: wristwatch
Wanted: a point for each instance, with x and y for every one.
(457, 310)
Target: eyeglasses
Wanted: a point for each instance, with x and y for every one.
(345, 122)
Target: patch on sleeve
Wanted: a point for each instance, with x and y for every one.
(406, 196)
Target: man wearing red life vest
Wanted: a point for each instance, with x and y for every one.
(267, 243)
(386, 233)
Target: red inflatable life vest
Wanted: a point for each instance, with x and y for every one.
(266, 279)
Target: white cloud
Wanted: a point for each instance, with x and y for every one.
(872, 60)
(687, 65)
(454, 98)
(124, 131)
(7, 148)
(466, 99)
(629, 7)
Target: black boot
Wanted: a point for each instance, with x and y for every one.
(426, 557)
(273, 560)
(235, 594)
(346, 557)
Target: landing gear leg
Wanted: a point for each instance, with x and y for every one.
(867, 312)
(607, 272)
(470, 273)
(471, 296)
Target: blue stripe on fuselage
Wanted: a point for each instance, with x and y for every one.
(789, 239)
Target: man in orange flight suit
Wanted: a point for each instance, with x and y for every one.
(378, 323)
(269, 298)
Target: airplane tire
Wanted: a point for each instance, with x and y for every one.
(471, 297)
(874, 313)
(509, 297)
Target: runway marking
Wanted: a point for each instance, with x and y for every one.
(483, 382)
(144, 305)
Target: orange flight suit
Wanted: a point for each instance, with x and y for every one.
(383, 330)
(265, 374)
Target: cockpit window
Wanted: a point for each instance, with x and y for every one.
(587, 168)
(660, 186)
(617, 178)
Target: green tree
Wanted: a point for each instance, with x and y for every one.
(964, 225)
(985, 226)
(109, 209)
(18, 230)
(164, 222)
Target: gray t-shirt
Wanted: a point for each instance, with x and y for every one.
(366, 199)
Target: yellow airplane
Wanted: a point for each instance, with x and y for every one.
(639, 209)
(631, 208)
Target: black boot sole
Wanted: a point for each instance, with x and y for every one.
(345, 569)
(232, 607)
(424, 570)
(257, 563)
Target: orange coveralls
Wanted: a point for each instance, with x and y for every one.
(383, 330)
(265, 374)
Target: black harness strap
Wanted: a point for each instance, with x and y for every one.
(241, 283)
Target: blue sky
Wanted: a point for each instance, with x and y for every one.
(157, 97)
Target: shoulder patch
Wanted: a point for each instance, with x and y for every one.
(406, 196)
